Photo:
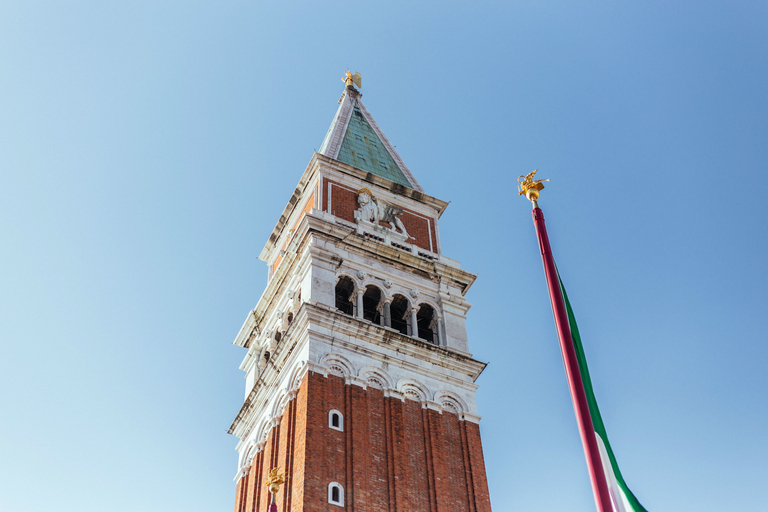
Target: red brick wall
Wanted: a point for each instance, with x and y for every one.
(392, 456)
(343, 203)
(239, 494)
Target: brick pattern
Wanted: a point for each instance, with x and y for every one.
(393, 455)
(344, 203)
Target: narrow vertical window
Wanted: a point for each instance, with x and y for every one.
(399, 313)
(336, 420)
(335, 494)
(426, 320)
(371, 301)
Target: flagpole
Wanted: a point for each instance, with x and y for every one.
(531, 189)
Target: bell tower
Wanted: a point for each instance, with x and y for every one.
(359, 381)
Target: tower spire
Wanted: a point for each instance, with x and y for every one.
(355, 138)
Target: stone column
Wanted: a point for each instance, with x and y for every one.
(439, 329)
(360, 294)
(414, 322)
(387, 313)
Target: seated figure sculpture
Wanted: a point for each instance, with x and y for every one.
(375, 211)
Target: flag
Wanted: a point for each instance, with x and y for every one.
(622, 498)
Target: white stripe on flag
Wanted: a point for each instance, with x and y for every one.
(618, 499)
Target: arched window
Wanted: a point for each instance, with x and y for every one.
(399, 314)
(371, 301)
(336, 420)
(426, 320)
(335, 494)
(290, 318)
(345, 290)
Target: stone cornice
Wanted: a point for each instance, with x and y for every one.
(437, 204)
(243, 336)
(318, 224)
(270, 377)
(298, 193)
(313, 320)
(391, 255)
(308, 178)
(295, 255)
(367, 334)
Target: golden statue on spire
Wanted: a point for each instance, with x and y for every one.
(352, 80)
(530, 187)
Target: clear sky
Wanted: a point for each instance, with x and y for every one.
(148, 148)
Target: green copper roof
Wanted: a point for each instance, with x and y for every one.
(363, 149)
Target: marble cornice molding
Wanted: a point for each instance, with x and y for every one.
(442, 400)
(426, 397)
(327, 163)
(270, 379)
(353, 335)
(320, 164)
(293, 203)
(277, 286)
(349, 332)
(327, 229)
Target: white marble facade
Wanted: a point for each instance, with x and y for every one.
(296, 326)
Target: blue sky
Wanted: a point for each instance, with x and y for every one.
(147, 150)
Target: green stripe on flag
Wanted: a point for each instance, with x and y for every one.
(594, 412)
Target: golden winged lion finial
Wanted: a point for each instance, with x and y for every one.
(530, 187)
(353, 79)
(275, 480)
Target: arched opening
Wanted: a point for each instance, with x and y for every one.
(290, 318)
(399, 313)
(426, 320)
(335, 420)
(345, 290)
(371, 300)
(336, 494)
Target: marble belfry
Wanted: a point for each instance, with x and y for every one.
(359, 381)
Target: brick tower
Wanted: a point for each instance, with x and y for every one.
(359, 380)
